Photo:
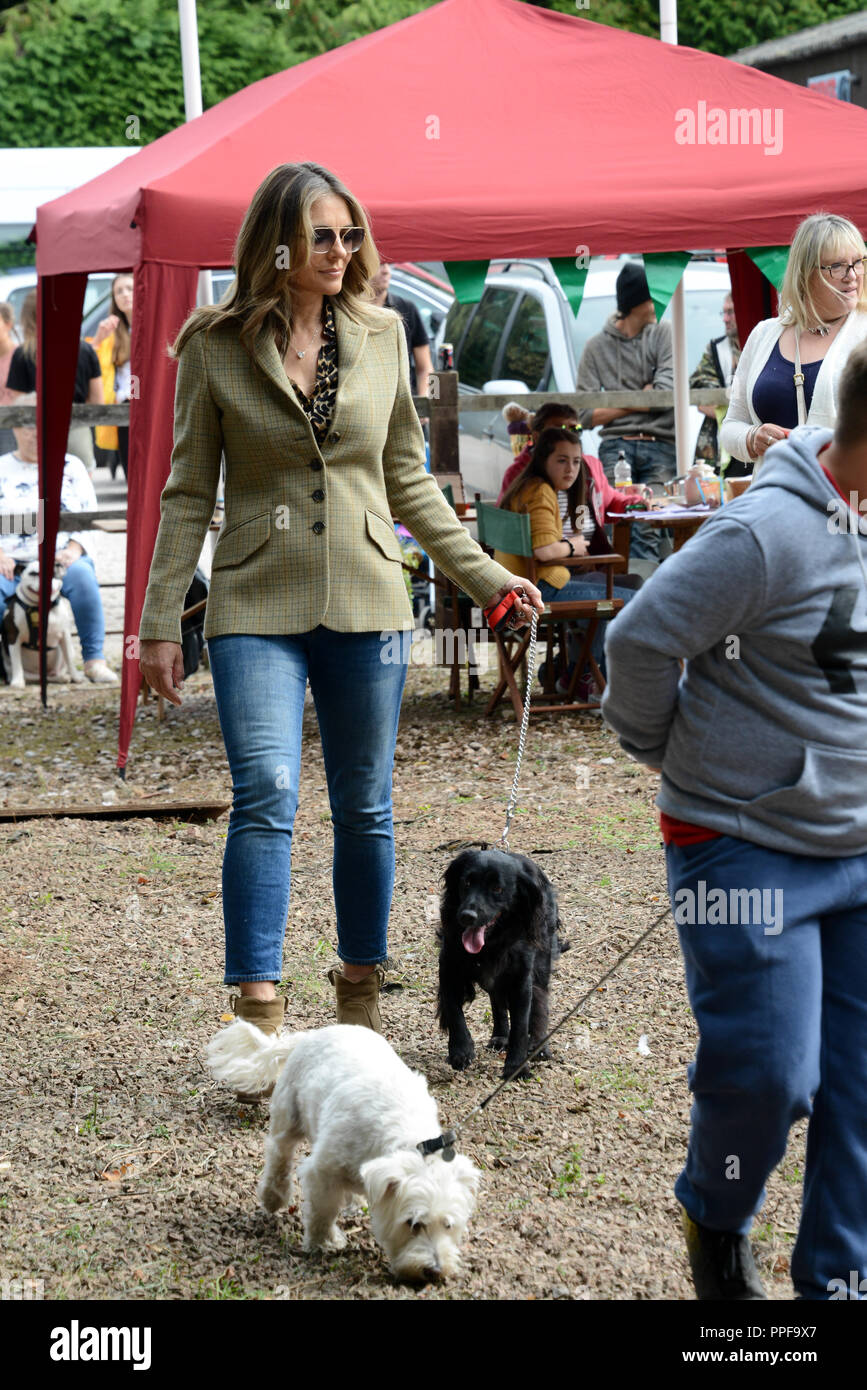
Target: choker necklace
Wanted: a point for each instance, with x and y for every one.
(824, 328)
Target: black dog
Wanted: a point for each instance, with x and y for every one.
(499, 929)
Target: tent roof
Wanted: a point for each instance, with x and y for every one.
(480, 128)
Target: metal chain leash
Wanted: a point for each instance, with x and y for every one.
(522, 736)
(448, 1138)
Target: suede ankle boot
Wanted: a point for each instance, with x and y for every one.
(359, 1003)
(267, 1016)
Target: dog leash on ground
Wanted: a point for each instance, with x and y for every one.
(447, 1140)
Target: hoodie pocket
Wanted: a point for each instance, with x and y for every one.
(381, 532)
(828, 801)
(241, 540)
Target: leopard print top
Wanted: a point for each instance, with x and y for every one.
(319, 407)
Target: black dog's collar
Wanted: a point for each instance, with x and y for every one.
(445, 1141)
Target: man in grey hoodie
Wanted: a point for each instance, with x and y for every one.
(762, 746)
(632, 353)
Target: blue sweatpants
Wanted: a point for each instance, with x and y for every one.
(778, 985)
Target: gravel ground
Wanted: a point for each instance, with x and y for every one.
(126, 1173)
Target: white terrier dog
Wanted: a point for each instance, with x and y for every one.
(20, 629)
(347, 1091)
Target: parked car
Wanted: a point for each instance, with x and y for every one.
(522, 336)
(431, 296)
(15, 285)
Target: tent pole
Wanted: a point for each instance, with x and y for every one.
(668, 34)
(193, 102)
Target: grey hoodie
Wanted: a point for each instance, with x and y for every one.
(612, 362)
(765, 735)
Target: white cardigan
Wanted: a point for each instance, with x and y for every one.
(741, 416)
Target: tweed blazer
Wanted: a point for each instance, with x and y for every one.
(308, 537)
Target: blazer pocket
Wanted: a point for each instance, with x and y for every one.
(241, 540)
(381, 532)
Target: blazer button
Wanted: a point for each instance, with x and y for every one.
(316, 465)
(318, 527)
(333, 437)
(318, 495)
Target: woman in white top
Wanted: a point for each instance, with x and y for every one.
(823, 316)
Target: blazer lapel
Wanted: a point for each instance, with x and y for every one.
(351, 338)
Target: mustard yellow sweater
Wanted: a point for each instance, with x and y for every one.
(538, 500)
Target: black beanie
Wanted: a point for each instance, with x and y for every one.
(631, 287)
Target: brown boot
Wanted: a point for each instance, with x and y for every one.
(267, 1016)
(359, 1003)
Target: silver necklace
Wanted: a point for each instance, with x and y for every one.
(824, 328)
(317, 329)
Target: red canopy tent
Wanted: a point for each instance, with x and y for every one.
(474, 129)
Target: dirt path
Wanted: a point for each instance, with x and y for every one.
(126, 1173)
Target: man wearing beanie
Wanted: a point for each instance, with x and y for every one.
(632, 353)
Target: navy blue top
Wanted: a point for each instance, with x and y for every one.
(774, 398)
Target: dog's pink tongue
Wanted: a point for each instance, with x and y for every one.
(474, 939)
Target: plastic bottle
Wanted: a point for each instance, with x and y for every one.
(622, 471)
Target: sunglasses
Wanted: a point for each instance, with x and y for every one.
(324, 238)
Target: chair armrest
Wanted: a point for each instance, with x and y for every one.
(590, 562)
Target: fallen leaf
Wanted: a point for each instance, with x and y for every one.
(125, 1170)
(226, 1018)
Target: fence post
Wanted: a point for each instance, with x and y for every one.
(444, 454)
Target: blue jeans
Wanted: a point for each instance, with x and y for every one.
(781, 1008)
(357, 681)
(652, 461)
(579, 591)
(81, 588)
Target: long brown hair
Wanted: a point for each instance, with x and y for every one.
(121, 350)
(545, 446)
(28, 325)
(279, 220)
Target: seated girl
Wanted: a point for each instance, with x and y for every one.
(557, 465)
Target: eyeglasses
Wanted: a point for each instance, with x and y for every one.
(840, 269)
(324, 239)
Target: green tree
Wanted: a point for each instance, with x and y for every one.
(718, 26)
(72, 72)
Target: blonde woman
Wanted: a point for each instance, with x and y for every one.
(303, 383)
(111, 343)
(823, 316)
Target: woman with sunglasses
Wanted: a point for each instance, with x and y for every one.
(790, 367)
(302, 383)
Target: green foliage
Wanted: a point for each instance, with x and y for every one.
(15, 254)
(718, 26)
(73, 72)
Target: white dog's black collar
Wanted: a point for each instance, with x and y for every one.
(445, 1141)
